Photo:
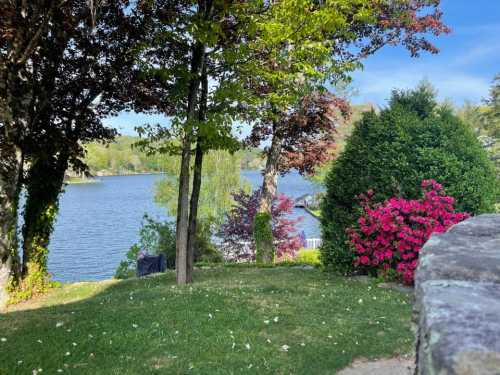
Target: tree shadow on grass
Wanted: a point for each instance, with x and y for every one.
(223, 324)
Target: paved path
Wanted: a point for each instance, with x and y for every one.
(393, 366)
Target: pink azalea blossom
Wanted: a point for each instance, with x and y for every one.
(390, 235)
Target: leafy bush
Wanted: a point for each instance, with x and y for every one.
(36, 283)
(237, 232)
(155, 238)
(159, 237)
(205, 250)
(391, 152)
(308, 256)
(389, 235)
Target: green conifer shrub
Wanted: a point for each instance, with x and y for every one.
(391, 152)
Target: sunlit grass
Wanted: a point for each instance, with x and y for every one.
(260, 321)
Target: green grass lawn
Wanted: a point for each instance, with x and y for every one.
(231, 321)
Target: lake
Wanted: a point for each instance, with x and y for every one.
(98, 222)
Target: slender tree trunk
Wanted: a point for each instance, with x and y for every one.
(45, 183)
(193, 214)
(10, 169)
(197, 175)
(270, 179)
(181, 256)
(264, 241)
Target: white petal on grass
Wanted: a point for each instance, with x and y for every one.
(285, 348)
(135, 325)
(59, 324)
(276, 319)
(266, 321)
(3, 339)
(247, 346)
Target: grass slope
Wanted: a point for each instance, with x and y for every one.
(231, 321)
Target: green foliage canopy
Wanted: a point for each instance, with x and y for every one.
(220, 176)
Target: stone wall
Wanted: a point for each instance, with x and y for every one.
(457, 292)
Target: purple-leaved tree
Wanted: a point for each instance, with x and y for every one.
(237, 231)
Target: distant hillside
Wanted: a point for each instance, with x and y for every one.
(121, 158)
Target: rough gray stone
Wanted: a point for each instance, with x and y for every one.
(469, 251)
(457, 300)
(459, 328)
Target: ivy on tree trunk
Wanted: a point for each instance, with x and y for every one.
(41, 208)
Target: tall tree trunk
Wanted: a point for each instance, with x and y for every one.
(197, 175)
(264, 240)
(193, 214)
(10, 169)
(181, 254)
(14, 97)
(44, 185)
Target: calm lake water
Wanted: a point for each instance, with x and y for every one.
(99, 222)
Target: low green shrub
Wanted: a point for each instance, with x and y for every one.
(36, 283)
(308, 256)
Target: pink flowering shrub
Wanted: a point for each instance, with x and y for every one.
(389, 235)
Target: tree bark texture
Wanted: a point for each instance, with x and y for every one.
(10, 169)
(263, 242)
(181, 258)
(197, 176)
(193, 214)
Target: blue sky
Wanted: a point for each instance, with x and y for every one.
(469, 58)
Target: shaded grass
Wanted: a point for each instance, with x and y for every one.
(230, 321)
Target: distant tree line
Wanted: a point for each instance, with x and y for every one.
(121, 157)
